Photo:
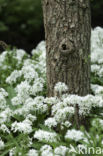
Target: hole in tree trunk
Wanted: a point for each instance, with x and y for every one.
(64, 47)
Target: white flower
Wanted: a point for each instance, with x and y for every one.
(12, 151)
(2, 58)
(1, 144)
(5, 115)
(85, 103)
(97, 45)
(35, 52)
(63, 113)
(36, 105)
(3, 92)
(23, 90)
(61, 150)
(31, 117)
(29, 72)
(75, 135)
(50, 122)
(37, 86)
(13, 76)
(102, 142)
(41, 46)
(51, 100)
(23, 127)
(39, 106)
(4, 128)
(45, 135)
(61, 87)
(32, 152)
(72, 100)
(66, 124)
(2, 102)
(100, 72)
(20, 54)
(88, 102)
(17, 100)
(101, 122)
(46, 150)
(95, 68)
(97, 122)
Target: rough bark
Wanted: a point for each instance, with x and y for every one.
(67, 33)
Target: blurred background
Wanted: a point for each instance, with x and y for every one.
(21, 21)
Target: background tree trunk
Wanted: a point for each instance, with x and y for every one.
(67, 33)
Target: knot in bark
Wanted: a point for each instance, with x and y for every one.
(66, 47)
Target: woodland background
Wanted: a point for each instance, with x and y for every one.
(21, 21)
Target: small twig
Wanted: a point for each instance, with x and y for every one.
(3, 45)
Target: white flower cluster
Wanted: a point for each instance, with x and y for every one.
(61, 150)
(3, 94)
(20, 53)
(46, 136)
(85, 103)
(29, 72)
(27, 107)
(98, 123)
(51, 100)
(12, 151)
(74, 135)
(41, 51)
(97, 89)
(41, 48)
(97, 45)
(37, 86)
(46, 150)
(58, 151)
(32, 152)
(23, 91)
(30, 67)
(13, 77)
(25, 126)
(97, 51)
(50, 122)
(2, 59)
(60, 87)
(5, 115)
(36, 105)
(1, 144)
(4, 128)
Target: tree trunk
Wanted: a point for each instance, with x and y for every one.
(67, 34)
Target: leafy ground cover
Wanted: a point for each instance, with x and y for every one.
(32, 124)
